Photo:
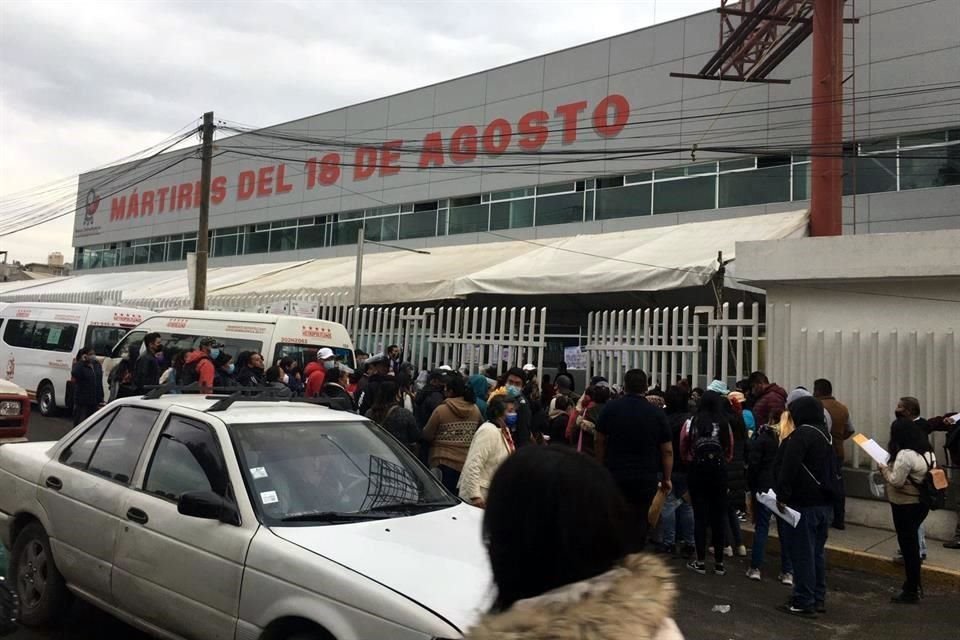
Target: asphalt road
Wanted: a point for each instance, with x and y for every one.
(858, 604)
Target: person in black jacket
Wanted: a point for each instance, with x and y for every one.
(251, 372)
(334, 389)
(87, 385)
(800, 484)
(762, 452)
(146, 372)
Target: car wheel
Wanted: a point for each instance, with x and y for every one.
(40, 587)
(46, 400)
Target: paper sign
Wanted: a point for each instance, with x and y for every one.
(874, 450)
(258, 472)
(769, 500)
(269, 497)
(575, 357)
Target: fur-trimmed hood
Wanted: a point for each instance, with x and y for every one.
(630, 602)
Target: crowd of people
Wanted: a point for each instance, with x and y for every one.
(710, 453)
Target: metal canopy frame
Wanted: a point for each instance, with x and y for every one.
(755, 37)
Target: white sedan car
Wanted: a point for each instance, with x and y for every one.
(205, 518)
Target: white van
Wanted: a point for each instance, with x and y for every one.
(272, 335)
(40, 340)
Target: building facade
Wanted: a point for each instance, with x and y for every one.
(593, 138)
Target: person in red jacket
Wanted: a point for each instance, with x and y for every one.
(769, 399)
(316, 372)
(199, 366)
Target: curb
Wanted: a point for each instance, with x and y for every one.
(846, 558)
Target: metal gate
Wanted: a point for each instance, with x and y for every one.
(672, 343)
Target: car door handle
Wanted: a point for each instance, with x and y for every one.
(54, 483)
(138, 516)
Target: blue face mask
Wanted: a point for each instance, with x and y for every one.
(231, 368)
(514, 391)
(511, 420)
(215, 353)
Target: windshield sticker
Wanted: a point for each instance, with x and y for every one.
(269, 497)
(258, 472)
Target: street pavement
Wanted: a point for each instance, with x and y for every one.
(858, 604)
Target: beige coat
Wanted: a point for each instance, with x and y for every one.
(487, 452)
(630, 602)
(908, 466)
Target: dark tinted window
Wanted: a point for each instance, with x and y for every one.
(45, 336)
(119, 449)
(77, 455)
(187, 458)
(103, 339)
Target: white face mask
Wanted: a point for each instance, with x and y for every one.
(286, 379)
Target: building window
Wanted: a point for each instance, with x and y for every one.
(743, 188)
(559, 209)
(514, 214)
(382, 229)
(925, 167)
(284, 238)
(622, 202)
(310, 235)
(691, 194)
(256, 238)
(467, 215)
(346, 232)
(422, 224)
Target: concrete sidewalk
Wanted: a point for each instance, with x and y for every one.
(872, 550)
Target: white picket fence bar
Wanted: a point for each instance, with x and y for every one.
(870, 370)
(671, 343)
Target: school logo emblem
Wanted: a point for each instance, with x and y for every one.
(93, 203)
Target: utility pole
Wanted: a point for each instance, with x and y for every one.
(206, 168)
(826, 163)
(358, 281)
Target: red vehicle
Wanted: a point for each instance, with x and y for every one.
(14, 412)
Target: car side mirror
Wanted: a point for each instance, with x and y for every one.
(208, 506)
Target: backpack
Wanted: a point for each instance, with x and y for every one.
(829, 477)
(933, 489)
(707, 450)
(189, 373)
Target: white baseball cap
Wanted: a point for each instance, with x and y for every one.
(445, 367)
(529, 367)
(325, 354)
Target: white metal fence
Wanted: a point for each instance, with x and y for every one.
(113, 297)
(456, 336)
(870, 370)
(671, 343)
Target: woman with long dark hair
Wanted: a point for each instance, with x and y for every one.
(388, 411)
(706, 445)
(450, 430)
(911, 456)
(558, 535)
(491, 445)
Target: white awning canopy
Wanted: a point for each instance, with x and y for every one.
(653, 259)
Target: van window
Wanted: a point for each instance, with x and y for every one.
(305, 354)
(134, 337)
(102, 339)
(42, 335)
(186, 342)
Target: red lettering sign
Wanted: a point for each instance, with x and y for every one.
(366, 163)
(463, 144)
(533, 128)
(601, 115)
(218, 190)
(389, 158)
(570, 113)
(283, 187)
(496, 137)
(246, 185)
(432, 154)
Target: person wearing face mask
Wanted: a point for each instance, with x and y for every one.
(147, 370)
(491, 445)
(87, 385)
(316, 372)
(278, 380)
(199, 365)
(513, 388)
(226, 371)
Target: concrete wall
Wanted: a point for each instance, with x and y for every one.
(898, 45)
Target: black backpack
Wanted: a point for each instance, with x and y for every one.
(828, 476)
(189, 375)
(708, 452)
(933, 489)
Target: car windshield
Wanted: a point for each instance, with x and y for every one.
(332, 472)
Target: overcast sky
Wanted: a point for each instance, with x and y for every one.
(83, 84)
